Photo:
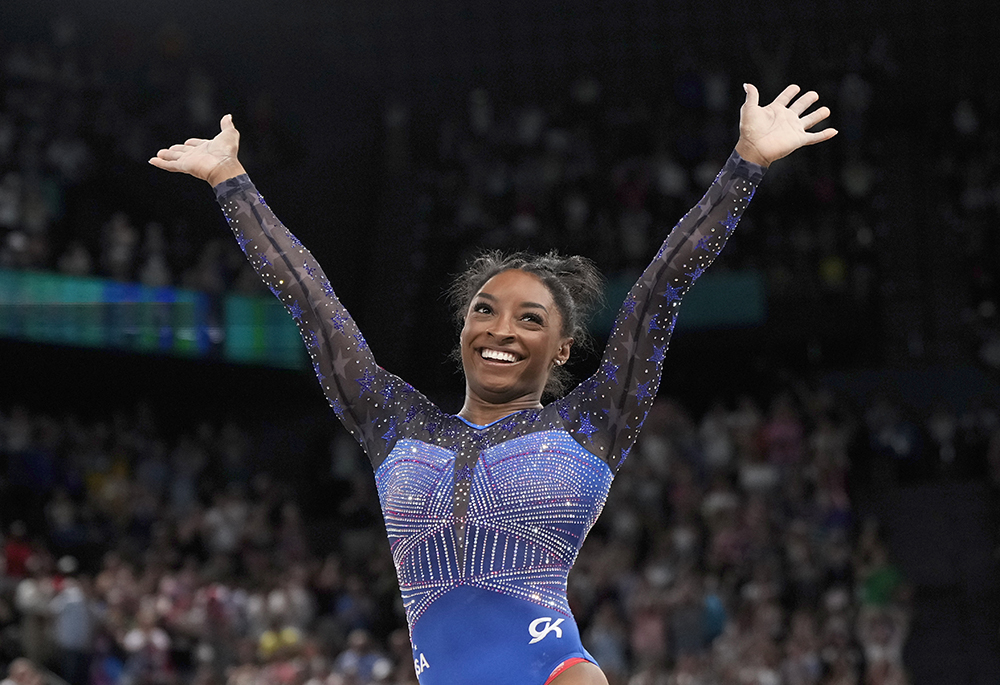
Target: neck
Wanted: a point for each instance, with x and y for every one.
(482, 412)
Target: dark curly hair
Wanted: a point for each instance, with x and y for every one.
(577, 289)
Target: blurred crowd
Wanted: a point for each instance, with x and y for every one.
(729, 551)
(78, 120)
(591, 172)
(964, 174)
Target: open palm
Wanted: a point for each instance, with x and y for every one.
(769, 133)
(213, 160)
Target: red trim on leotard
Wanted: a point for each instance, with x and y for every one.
(563, 666)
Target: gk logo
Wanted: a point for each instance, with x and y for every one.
(550, 627)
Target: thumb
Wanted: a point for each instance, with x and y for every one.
(753, 97)
(227, 122)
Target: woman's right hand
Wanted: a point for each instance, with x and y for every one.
(212, 160)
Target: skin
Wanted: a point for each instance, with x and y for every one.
(493, 390)
(514, 313)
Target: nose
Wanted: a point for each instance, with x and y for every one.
(501, 328)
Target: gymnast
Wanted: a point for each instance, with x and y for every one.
(486, 510)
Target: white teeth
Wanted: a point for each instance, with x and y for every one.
(498, 356)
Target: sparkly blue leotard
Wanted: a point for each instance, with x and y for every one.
(484, 522)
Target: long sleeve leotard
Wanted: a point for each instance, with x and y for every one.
(485, 522)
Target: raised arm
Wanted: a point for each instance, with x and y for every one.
(356, 387)
(606, 411)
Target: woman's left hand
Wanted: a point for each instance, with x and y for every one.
(769, 133)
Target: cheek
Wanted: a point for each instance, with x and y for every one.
(465, 335)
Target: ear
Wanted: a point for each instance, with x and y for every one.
(562, 355)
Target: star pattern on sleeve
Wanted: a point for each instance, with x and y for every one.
(704, 244)
(659, 354)
(338, 408)
(730, 223)
(362, 343)
(366, 380)
(643, 391)
(264, 261)
(311, 270)
(653, 325)
(610, 369)
(696, 274)
(295, 310)
(628, 306)
(586, 427)
(672, 294)
(563, 410)
(242, 241)
(411, 413)
(338, 320)
(390, 435)
(319, 374)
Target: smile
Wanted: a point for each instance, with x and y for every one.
(498, 356)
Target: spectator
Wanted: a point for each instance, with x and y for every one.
(73, 622)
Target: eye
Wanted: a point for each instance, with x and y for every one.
(482, 308)
(533, 318)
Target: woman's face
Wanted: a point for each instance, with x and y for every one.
(511, 338)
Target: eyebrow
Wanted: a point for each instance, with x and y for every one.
(534, 305)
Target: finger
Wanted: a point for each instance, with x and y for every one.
(805, 102)
(227, 122)
(814, 118)
(194, 142)
(820, 136)
(169, 155)
(785, 96)
(162, 164)
(179, 147)
(753, 97)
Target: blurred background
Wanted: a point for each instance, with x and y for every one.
(816, 496)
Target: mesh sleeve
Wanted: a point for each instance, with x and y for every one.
(607, 410)
(355, 386)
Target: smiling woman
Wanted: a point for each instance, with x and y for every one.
(572, 284)
(486, 510)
